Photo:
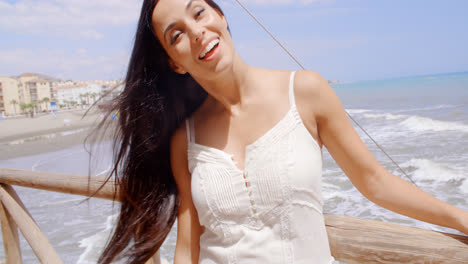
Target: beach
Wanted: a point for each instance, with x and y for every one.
(24, 136)
(422, 122)
(56, 144)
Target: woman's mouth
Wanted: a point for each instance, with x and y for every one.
(209, 49)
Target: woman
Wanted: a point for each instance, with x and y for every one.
(239, 160)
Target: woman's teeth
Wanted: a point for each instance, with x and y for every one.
(208, 48)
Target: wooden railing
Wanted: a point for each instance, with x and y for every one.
(14, 215)
(352, 240)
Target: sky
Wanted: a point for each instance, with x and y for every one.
(345, 40)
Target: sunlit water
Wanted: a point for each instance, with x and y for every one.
(422, 122)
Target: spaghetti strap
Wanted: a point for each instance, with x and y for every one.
(291, 90)
(187, 128)
(190, 127)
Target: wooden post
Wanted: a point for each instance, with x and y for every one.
(31, 232)
(354, 240)
(10, 237)
(59, 182)
(15, 196)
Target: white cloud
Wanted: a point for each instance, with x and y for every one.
(285, 2)
(77, 65)
(84, 18)
(91, 34)
(67, 17)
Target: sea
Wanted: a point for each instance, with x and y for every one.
(420, 121)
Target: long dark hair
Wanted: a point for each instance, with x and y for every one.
(153, 104)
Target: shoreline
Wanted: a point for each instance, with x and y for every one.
(30, 136)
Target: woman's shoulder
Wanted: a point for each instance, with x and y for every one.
(312, 97)
(179, 141)
(311, 91)
(308, 84)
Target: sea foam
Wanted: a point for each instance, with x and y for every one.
(94, 244)
(424, 169)
(464, 186)
(386, 116)
(357, 111)
(423, 124)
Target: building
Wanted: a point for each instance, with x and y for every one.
(34, 88)
(77, 94)
(9, 96)
(30, 92)
(29, 89)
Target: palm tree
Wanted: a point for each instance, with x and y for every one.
(83, 100)
(28, 108)
(87, 98)
(45, 100)
(94, 95)
(23, 107)
(14, 103)
(33, 106)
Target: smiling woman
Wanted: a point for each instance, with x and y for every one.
(233, 151)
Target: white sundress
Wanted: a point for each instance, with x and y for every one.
(271, 212)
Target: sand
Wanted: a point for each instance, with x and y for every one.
(26, 136)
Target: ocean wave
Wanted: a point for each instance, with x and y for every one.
(336, 194)
(386, 116)
(422, 124)
(464, 186)
(428, 108)
(73, 201)
(424, 169)
(414, 123)
(94, 244)
(357, 111)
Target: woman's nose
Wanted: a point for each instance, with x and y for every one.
(197, 33)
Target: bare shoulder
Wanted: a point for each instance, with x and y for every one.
(313, 93)
(179, 138)
(309, 84)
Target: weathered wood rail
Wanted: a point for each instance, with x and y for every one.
(352, 240)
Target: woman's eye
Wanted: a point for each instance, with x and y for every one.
(199, 12)
(175, 36)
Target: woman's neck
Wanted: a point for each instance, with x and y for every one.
(230, 87)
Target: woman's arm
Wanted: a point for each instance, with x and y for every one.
(370, 178)
(188, 227)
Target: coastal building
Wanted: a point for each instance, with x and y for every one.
(112, 91)
(9, 96)
(35, 89)
(78, 94)
(31, 92)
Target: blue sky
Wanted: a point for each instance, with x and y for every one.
(345, 40)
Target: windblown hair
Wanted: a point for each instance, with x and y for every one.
(153, 104)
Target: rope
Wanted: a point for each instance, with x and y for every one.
(302, 67)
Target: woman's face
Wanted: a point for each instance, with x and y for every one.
(194, 35)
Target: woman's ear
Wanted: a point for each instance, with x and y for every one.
(176, 68)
